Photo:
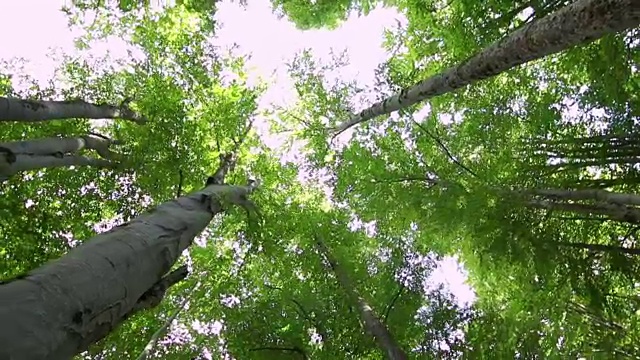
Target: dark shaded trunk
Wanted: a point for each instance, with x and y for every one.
(372, 324)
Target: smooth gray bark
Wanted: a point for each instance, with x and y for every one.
(55, 152)
(59, 309)
(14, 109)
(578, 23)
(615, 212)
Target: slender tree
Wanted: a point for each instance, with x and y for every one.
(580, 22)
(59, 309)
(163, 329)
(370, 321)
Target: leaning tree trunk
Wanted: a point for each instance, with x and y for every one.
(371, 322)
(59, 309)
(14, 109)
(580, 22)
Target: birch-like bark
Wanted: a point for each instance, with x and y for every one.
(57, 310)
(372, 324)
(14, 109)
(578, 23)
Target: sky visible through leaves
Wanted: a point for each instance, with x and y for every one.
(269, 40)
(301, 179)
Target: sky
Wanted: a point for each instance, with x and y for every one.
(272, 42)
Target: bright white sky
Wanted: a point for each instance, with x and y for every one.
(256, 30)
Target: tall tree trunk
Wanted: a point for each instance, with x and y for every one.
(54, 152)
(59, 309)
(580, 22)
(14, 109)
(606, 183)
(371, 322)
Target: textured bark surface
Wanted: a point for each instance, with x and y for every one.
(53, 145)
(57, 309)
(14, 109)
(580, 22)
(372, 324)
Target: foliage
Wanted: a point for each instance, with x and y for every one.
(454, 177)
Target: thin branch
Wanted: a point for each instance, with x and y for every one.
(295, 349)
(444, 148)
(180, 183)
(393, 301)
(632, 231)
(242, 137)
(586, 218)
(156, 336)
(302, 312)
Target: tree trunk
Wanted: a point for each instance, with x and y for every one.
(31, 162)
(371, 322)
(59, 309)
(589, 194)
(580, 22)
(14, 109)
(606, 183)
(615, 212)
(54, 152)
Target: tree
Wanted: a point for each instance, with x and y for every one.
(577, 23)
(98, 285)
(370, 321)
(460, 178)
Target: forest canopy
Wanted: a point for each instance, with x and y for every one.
(299, 179)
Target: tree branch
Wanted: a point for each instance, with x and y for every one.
(291, 349)
(388, 308)
(444, 148)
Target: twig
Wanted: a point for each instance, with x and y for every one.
(180, 183)
(292, 349)
(387, 310)
(444, 148)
